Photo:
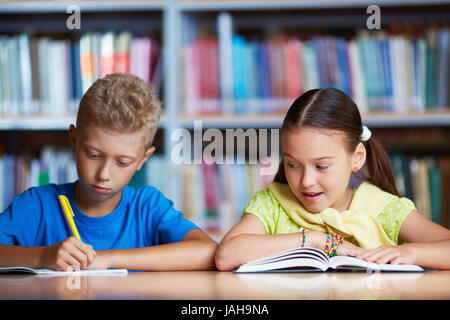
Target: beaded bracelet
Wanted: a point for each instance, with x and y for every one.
(304, 237)
(334, 241)
(328, 245)
(340, 241)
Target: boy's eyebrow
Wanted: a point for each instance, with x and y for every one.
(319, 158)
(122, 155)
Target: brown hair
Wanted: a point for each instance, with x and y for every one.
(121, 102)
(332, 109)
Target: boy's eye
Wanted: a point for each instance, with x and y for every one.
(321, 167)
(93, 156)
(122, 163)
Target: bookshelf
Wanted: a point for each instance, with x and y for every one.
(178, 24)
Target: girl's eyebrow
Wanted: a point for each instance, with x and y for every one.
(319, 158)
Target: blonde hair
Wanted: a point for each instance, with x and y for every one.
(123, 103)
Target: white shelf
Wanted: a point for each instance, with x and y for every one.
(207, 5)
(384, 120)
(234, 121)
(85, 6)
(36, 123)
(407, 120)
(44, 123)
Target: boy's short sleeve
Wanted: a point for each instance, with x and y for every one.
(20, 221)
(393, 215)
(169, 225)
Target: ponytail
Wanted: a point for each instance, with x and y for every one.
(378, 169)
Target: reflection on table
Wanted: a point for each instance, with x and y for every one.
(215, 285)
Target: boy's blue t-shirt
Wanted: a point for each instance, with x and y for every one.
(143, 218)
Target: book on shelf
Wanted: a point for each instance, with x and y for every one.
(201, 76)
(424, 180)
(21, 171)
(214, 195)
(47, 76)
(389, 70)
(305, 259)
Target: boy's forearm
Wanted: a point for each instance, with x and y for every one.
(184, 255)
(11, 256)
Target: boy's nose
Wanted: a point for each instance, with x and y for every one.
(103, 172)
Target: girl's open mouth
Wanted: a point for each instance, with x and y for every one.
(311, 196)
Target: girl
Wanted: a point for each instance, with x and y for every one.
(309, 203)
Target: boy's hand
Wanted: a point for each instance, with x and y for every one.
(101, 261)
(69, 254)
(389, 254)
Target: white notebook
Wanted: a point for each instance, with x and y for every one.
(48, 272)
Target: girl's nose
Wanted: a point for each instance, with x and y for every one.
(308, 179)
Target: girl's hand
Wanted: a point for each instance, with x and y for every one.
(389, 254)
(349, 249)
(69, 254)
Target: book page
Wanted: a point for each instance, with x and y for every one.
(312, 253)
(296, 263)
(297, 258)
(344, 261)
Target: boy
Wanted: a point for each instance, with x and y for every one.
(120, 227)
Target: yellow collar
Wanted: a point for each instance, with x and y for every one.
(358, 223)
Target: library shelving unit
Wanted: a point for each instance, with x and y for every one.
(218, 24)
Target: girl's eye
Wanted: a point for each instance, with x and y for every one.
(93, 156)
(292, 165)
(322, 167)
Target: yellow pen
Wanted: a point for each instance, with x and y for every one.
(69, 215)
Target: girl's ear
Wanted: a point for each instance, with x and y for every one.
(147, 155)
(359, 157)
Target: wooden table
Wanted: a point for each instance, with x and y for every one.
(213, 285)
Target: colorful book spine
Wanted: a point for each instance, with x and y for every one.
(47, 76)
(390, 70)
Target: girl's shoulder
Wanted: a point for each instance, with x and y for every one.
(392, 216)
(264, 198)
(268, 210)
(400, 204)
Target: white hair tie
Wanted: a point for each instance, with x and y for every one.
(366, 134)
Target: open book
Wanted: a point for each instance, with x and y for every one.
(48, 272)
(311, 259)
